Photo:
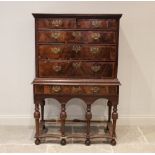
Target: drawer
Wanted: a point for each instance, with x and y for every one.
(97, 23)
(107, 37)
(76, 69)
(75, 90)
(56, 23)
(78, 51)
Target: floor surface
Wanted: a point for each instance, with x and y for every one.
(130, 139)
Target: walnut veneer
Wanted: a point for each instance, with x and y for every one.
(76, 56)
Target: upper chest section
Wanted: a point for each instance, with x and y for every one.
(76, 45)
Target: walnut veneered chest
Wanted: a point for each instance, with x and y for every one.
(76, 56)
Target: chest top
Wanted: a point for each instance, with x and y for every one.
(77, 46)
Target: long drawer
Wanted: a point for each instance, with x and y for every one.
(76, 69)
(75, 90)
(77, 51)
(103, 37)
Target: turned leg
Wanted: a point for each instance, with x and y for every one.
(88, 118)
(37, 116)
(109, 104)
(63, 116)
(42, 115)
(114, 117)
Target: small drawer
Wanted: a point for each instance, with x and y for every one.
(98, 52)
(97, 37)
(76, 69)
(97, 23)
(52, 36)
(77, 51)
(75, 90)
(101, 37)
(54, 51)
(56, 23)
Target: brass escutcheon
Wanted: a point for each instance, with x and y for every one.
(76, 34)
(76, 48)
(95, 68)
(76, 89)
(95, 89)
(94, 50)
(56, 22)
(56, 50)
(96, 23)
(76, 64)
(55, 35)
(56, 89)
(95, 35)
(57, 68)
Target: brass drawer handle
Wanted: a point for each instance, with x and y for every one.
(96, 23)
(76, 65)
(57, 68)
(56, 50)
(56, 89)
(95, 36)
(56, 22)
(94, 50)
(95, 89)
(95, 68)
(55, 35)
(76, 34)
(76, 48)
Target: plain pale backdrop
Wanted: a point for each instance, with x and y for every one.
(136, 69)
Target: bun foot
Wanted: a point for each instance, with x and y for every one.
(37, 141)
(87, 142)
(63, 142)
(113, 142)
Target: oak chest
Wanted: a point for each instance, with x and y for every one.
(76, 56)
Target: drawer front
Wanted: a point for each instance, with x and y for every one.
(56, 23)
(76, 69)
(75, 51)
(97, 23)
(107, 37)
(75, 90)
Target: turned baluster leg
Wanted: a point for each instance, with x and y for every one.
(42, 115)
(37, 116)
(88, 118)
(63, 116)
(109, 104)
(114, 117)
